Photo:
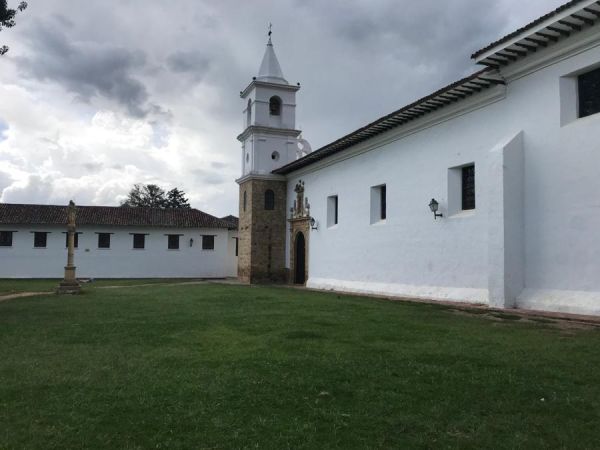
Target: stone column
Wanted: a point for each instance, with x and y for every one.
(70, 285)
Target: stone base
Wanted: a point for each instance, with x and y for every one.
(68, 287)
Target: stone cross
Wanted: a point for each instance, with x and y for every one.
(70, 285)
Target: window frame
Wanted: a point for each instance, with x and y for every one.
(583, 87)
(9, 241)
(275, 105)
(269, 200)
(171, 240)
(39, 234)
(378, 204)
(466, 197)
(206, 242)
(107, 236)
(332, 210)
(134, 244)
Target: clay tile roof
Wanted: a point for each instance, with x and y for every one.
(527, 27)
(25, 214)
(232, 221)
(481, 80)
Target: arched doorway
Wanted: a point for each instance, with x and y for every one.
(300, 262)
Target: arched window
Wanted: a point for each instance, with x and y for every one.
(269, 199)
(275, 106)
(244, 201)
(249, 113)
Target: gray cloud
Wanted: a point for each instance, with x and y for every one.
(218, 165)
(3, 128)
(356, 59)
(209, 176)
(86, 68)
(5, 181)
(190, 62)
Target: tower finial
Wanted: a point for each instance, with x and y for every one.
(270, 32)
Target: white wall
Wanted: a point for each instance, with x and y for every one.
(22, 260)
(413, 254)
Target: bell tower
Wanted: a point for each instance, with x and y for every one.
(269, 141)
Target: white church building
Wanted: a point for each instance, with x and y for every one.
(509, 156)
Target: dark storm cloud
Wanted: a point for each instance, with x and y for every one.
(190, 62)
(86, 68)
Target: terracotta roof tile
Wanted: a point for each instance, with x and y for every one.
(26, 214)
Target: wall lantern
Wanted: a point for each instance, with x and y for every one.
(313, 224)
(191, 242)
(433, 205)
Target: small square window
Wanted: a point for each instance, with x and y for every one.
(378, 203)
(208, 242)
(139, 240)
(468, 187)
(40, 239)
(173, 242)
(103, 240)
(588, 85)
(75, 239)
(6, 238)
(332, 210)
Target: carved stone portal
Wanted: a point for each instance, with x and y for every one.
(299, 230)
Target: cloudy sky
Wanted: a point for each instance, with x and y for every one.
(98, 95)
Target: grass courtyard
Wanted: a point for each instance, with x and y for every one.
(223, 366)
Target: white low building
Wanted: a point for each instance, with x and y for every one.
(117, 242)
(511, 155)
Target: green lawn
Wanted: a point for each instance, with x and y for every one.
(217, 366)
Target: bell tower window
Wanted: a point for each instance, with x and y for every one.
(275, 106)
(269, 200)
(249, 113)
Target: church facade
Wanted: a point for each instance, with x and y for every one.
(485, 191)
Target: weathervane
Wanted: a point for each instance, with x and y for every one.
(270, 32)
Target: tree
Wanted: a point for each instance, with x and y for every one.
(153, 196)
(176, 199)
(7, 18)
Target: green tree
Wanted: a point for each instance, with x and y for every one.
(7, 18)
(153, 196)
(176, 199)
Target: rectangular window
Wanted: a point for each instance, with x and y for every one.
(208, 242)
(468, 187)
(382, 209)
(173, 242)
(6, 238)
(237, 241)
(332, 210)
(588, 85)
(75, 239)
(103, 240)
(378, 203)
(139, 240)
(40, 239)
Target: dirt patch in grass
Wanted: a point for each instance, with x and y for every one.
(563, 324)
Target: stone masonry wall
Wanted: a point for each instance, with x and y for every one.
(261, 251)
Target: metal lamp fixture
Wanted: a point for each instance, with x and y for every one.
(433, 205)
(313, 224)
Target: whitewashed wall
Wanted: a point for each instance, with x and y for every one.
(121, 260)
(459, 256)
